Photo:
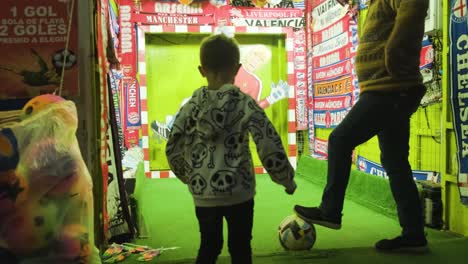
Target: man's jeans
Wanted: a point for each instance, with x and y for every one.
(386, 115)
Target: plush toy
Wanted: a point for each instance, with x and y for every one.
(46, 211)
(9, 156)
(13, 192)
(52, 169)
(39, 103)
(73, 242)
(32, 228)
(13, 187)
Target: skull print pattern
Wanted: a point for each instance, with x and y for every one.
(277, 162)
(273, 135)
(211, 164)
(181, 167)
(223, 181)
(247, 178)
(208, 147)
(197, 184)
(199, 153)
(236, 149)
(228, 115)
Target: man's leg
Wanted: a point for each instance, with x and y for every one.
(393, 142)
(210, 221)
(394, 148)
(240, 222)
(364, 121)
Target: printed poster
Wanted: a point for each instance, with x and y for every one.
(33, 36)
(363, 4)
(332, 96)
(129, 84)
(327, 13)
(459, 89)
(343, 68)
(267, 17)
(334, 37)
(321, 148)
(300, 62)
(331, 31)
(101, 39)
(335, 87)
(268, 3)
(375, 168)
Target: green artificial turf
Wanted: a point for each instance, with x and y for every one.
(368, 190)
(167, 218)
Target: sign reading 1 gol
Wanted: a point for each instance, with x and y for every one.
(32, 21)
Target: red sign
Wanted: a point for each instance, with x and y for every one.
(175, 8)
(314, 3)
(127, 41)
(129, 83)
(427, 56)
(329, 119)
(327, 13)
(332, 102)
(332, 31)
(267, 17)
(132, 104)
(321, 147)
(331, 45)
(332, 71)
(267, 13)
(172, 19)
(33, 37)
(102, 10)
(332, 57)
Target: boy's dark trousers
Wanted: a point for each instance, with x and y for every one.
(239, 219)
(387, 115)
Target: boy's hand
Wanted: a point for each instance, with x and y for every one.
(290, 190)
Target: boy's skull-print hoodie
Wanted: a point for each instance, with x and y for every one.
(208, 147)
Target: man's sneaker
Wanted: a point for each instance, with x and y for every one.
(313, 215)
(403, 244)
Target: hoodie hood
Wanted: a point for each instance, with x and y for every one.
(217, 110)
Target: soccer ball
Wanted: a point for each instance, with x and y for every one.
(296, 234)
(60, 55)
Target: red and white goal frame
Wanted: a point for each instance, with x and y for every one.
(289, 44)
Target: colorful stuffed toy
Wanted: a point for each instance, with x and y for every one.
(13, 187)
(9, 156)
(38, 103)
(46, 202)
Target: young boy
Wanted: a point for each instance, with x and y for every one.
(208, 149)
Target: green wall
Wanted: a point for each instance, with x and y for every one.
(425, 140)
(455, 213)
(172, 75)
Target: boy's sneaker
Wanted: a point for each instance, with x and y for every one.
(403, 244)
(313, 215)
